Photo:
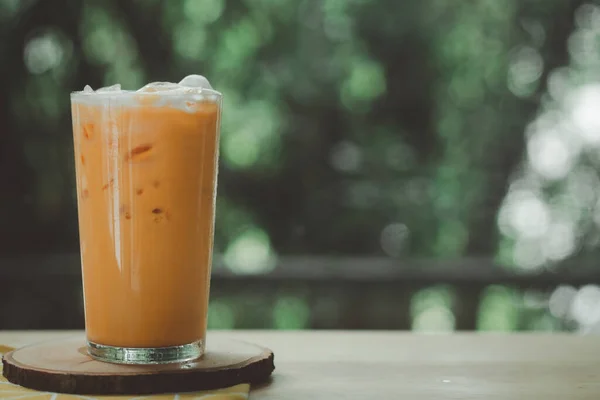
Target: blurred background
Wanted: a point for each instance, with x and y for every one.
(423, 164)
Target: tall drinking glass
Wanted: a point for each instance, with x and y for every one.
(146, 170)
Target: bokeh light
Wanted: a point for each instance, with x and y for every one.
(203, 12)
(585, 104)
(560, 241)
(238, 44)
(431, 310)
(346, 156)
(365, 83)
(553, 196)
(250, 134)
(291, 312)
(393, 239)
(221, 315)
(46, 51)
(585, 307)
(499, 310)
(189, 40)
(250, 253)
(524, 71)
(550, 154)
(524, 215)
(560, 301)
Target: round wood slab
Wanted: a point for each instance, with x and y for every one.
(64, 366)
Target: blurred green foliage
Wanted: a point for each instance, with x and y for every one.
(350, 127)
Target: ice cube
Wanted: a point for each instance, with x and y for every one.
(195, 81)
(88, 89)
(159, 87)
(113, 88)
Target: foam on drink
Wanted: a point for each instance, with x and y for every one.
(193, 87)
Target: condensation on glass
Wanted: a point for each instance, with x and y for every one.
(146, 168)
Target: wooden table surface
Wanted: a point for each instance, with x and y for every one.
(393, 365)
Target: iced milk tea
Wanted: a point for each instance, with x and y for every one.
(146, 167)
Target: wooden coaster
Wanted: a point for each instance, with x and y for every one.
(64, 366)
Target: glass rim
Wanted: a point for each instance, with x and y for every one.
(133, 93)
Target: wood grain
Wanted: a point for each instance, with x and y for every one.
(64, 366)
(359, 365)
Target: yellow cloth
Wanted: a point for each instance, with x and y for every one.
(9, 391)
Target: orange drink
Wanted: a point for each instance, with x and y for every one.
(146, 168)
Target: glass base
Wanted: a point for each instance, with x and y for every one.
(146, 355)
